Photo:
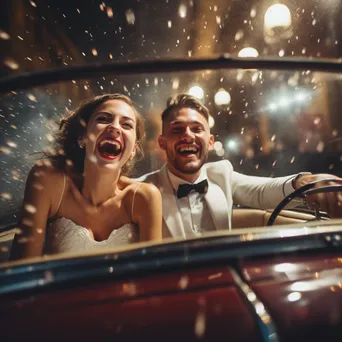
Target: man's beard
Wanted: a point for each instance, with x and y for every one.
(188, 168)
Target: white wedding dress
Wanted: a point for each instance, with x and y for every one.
(63, 235)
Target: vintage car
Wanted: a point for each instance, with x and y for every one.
(276, 274)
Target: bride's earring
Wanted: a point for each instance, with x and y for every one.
(132, 156)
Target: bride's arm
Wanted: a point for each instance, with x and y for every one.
(147, 212)
(29, 238)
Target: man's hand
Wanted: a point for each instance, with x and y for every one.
(330, 202)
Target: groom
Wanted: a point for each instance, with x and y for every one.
(198, 196)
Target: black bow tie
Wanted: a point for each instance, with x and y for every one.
(184, 189)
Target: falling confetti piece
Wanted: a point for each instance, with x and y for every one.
(30, 208)
(130, 289)
(239, 35)
(11, 63)
(5, 150)
(33, 3)
(31, 97)
(4, 35)
(12, 144)
(130, 17)
(320, 147)
(183, 282)
(110, 12)
(6, 196)
(182, 10)
(200, 324)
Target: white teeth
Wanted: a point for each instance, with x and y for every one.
(188, 149)
(110, 142)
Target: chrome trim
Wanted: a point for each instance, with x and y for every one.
(263, 319)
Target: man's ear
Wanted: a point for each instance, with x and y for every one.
(162, 142)
(211, 142)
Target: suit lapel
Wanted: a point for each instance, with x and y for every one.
(171, 214)
(217, 200)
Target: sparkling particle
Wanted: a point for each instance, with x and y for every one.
(94, 52)
(239, 35)
(130, 289)
(215, 276)
(110, 12)
(5, 150)
(200, 324)
(30, 208)
(4, 35)
(11, 63)
(12, 144)
(130, 17)
(175, 84)
(183, 282)
(292, 160)
(320, 147)
(169, 24)
(33, 3)
(182, 10)
(15, 174)
(281, 53)
(31, 97)
(6, 196)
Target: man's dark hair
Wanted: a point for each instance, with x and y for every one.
(184, 101)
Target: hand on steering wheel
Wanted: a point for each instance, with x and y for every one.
(311, 196)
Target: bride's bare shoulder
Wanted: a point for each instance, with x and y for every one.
(135, 186)
(45, 172)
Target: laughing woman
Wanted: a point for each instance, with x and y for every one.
(78, 198)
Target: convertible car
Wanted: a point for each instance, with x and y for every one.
(275, 275)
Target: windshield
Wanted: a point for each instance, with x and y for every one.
(265, 122)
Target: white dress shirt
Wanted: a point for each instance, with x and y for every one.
(193, 207)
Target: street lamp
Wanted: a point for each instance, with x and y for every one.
(197, 92)
(277, 23)
(222, 97)
(248, 52)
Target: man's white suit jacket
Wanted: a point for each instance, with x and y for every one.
(225, 187)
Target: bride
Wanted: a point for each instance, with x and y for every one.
(78, 199)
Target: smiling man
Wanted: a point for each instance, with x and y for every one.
(199, 196)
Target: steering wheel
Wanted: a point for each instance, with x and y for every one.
(303, 192)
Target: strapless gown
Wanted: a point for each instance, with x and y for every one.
(63, 235)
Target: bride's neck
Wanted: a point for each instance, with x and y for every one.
(99, 186)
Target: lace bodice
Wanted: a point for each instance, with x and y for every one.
(63, 235)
